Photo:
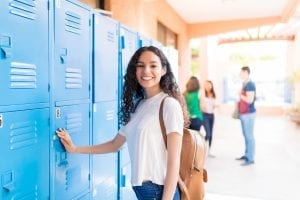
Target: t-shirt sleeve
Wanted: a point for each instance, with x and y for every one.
(250, 87)
(122, 130)
(173, 116)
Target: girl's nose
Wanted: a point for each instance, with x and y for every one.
(147, 69)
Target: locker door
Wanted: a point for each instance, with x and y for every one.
(71, 51)
(125, 172)
(105, 127)
(129, 44)
(72, 170)
(23, 52)
(106, 53)
(24, 154)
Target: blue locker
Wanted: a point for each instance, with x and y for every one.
(144, 41)
(71, 171)
(125, 175)
(129, 44)
(105, 127)
(71, 51)
(105, 58)
(23, 52)
(24, 154)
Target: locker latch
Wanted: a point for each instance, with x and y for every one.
(63, 55)
(5, 46)
(57, 113)
(1, 121)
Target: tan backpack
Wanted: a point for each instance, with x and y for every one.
(192, 174)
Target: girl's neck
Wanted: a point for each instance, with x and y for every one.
(150, 92)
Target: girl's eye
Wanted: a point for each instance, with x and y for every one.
(139, 65)
(153, 66)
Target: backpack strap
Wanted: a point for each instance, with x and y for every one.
(161, 121)
(182, 187)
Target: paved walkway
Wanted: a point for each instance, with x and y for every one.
(276, 172)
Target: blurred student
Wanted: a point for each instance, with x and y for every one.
(208, 105)
(192, 98)
(247, 114)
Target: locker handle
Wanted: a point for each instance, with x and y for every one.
(122, 42)
(6, 51)
(63, 163)
(63, 55)
(123, 181)
(9, 186)
(1, 121)
(63, 59)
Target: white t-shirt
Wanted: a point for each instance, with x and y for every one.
(145, 141)
(208, 105)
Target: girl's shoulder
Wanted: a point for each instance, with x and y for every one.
(171, 103)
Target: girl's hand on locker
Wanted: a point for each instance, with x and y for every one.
(66, 140)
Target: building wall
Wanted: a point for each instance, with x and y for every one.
(92, 3)
(143, 15)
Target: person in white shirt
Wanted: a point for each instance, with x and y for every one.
(208, 105)
(154, 169)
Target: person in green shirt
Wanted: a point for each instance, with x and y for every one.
(192, 98)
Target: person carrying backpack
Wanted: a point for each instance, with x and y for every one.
(154, 168)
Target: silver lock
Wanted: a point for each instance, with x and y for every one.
(1, 121)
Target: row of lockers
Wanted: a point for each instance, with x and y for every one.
(62, 65)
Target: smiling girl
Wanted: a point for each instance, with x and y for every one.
(154, 168)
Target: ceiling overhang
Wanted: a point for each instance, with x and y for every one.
(282, 26)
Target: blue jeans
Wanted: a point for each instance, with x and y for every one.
(247, 122)
(208, 124)
(152, 191)
(196, 124)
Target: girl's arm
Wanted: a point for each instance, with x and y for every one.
(174, 141)
(108, 147)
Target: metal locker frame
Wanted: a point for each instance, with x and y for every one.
(71, 57)
(23, 53)
(128, 45)
(24, 140)
(105, 166)
(105, 58)
(71, 172)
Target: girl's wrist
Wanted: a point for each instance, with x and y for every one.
(75, 149)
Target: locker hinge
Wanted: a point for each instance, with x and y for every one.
(89, 177)
(48, 87)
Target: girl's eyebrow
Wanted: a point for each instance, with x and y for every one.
(150, 62)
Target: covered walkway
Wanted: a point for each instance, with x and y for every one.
(274, 176)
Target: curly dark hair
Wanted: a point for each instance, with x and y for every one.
(133, 92)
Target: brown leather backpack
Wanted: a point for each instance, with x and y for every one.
(192, 174)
